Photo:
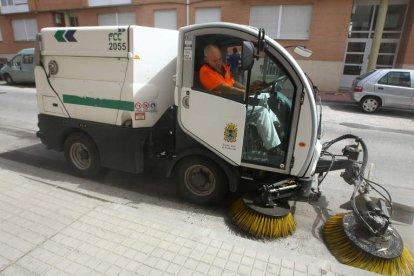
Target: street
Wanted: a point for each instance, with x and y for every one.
(388, 134)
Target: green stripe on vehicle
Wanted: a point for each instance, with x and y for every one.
(105, 103)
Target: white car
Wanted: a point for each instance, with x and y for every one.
(384, 88)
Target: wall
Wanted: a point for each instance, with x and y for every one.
(328, 34)
(8, 47)
(56, 5)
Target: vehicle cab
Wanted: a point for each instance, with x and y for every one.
(231, 127)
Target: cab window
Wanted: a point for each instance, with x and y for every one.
(17, 60)
(230, 56)
(27, 59)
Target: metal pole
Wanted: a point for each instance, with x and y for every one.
(379, 28)
(188, 12)
(67, 18)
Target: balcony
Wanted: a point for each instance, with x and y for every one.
(14, 6)
(100, 3)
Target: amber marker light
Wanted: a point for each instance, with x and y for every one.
(302, 144)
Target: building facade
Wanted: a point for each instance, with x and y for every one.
(340, 32)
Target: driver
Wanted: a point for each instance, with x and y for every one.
(215, 76)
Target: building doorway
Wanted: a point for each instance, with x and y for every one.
(361, 33)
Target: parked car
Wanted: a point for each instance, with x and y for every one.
(384, 88)
(20, 69)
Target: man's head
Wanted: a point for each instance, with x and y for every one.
(212, 56)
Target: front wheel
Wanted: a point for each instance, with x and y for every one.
(82, 155)
(370, 104)
(201, 181)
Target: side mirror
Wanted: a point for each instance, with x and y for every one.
(303, 51)
(247, 55)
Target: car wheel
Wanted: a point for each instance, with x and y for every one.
(82, 155)
(370, 104)
(8, 79)
(201, 181)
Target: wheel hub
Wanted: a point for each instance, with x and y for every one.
(80, 156)
(388, 246)
(278, 210)
(200, 180)
(370, 105)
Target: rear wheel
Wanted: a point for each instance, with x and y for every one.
(201, 181)
(82, 154)
(370, 104)
(8, 79)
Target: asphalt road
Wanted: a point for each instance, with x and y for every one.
(389, 135)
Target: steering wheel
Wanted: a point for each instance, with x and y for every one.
(274, 83)
(270, 87)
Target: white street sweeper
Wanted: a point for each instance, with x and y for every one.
(130, 98)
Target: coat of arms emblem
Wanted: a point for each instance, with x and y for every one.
(230, 133)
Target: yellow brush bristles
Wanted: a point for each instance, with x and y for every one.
(348, 253)
(259, 225)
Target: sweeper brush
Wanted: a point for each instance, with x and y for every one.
(365, 237)
(266, 213)
(262, 222)
(353, 246)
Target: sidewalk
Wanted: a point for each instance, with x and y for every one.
(336, 96)
(47, 229)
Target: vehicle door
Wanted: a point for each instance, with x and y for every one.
(27, 68)
(214, 121)
(235, 128)
(16, 68)
(395, 87)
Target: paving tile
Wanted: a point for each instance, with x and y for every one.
(162, 265)
(113, 270)
(179, 260)
(232, 266)
(190, 263)
(173, 269)
(243, 270)
(102, 267)
(301, 267)
(224, 254)
(286, 271)
(299, 273)
(272, 269)
(16, 270)
(247, 261)
(275, 260)
(221, 263)
(257, 272)
(214, 271)
(258, 264)
(208, 258)
(235, 257)
(203, 268)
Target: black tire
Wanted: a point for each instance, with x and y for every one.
(370, 104)
(201, 181)
(8, 79)
(82, 155)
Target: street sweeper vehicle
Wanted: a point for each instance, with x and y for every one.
(132, 98)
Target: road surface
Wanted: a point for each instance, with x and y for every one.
(389, 135)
